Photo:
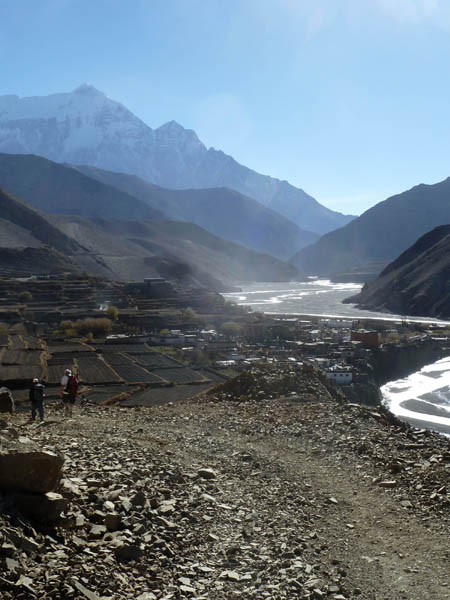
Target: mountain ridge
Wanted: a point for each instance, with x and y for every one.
(415, 283)
(59, 188)
(221, 211)
(86, 127)
(381, 233)
(123, 250)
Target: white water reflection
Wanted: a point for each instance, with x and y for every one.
(422, 398)
(318, 297)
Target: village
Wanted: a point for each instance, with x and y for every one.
(151, 342)
(213, 452)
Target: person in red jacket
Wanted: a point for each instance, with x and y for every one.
(68, 391)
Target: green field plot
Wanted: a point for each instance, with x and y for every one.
(133, 373)
(180, 375)
(93, 370)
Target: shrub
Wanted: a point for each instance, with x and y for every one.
(25, 296)
(66, 324)
(231, 328)
(112, 312)
(92, 325)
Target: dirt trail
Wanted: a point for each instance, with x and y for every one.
(267, 499)
(374, 538)
(387, 551)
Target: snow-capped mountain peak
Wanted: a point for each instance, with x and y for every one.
(88, 128)
(175, 134)
(88, 89)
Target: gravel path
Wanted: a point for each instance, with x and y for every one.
(227, 497)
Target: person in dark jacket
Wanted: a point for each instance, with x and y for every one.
(37, 399)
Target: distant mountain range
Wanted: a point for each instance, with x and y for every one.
(58, 189)
(221, 211)
(381, 233)
(33, 241)
(85, 127)
(92, 192)
(417, 282)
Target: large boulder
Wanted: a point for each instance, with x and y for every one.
(35, 472)
(6, 401)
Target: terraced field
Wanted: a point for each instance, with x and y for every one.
(31, 342)
(64, 358)
(20, 357)
(55, 372)
(179, 375)
(133, 373)
(128, 348)
(69, 348)
(154, 360)
(16, 342)
(95, 371)
(163, 395)
(14, 375)
(117, 358)
(103, 393)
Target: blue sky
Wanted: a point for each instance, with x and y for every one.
(348, 99)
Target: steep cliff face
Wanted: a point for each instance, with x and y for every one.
(398, 361)
(417, 282)
(391, 362)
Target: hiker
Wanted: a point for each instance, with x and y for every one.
(37, 399)
(68, 392)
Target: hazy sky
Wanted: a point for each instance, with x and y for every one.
(348, 99)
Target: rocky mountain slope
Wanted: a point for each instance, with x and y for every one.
(131, 248)
(91, 192)
(221, 211)
(126, 250)
(31, 243)
(58, 189)
(86, 127)
(250, 494)
(417, 282)
(381, 233)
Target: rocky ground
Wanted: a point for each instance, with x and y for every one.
(272, 486)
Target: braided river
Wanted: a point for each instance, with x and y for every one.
(422, 399)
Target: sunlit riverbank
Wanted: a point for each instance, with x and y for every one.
(319, 297)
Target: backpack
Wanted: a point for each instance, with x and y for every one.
(71, 385)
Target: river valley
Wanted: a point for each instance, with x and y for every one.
(422, 399)
(319, 297)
